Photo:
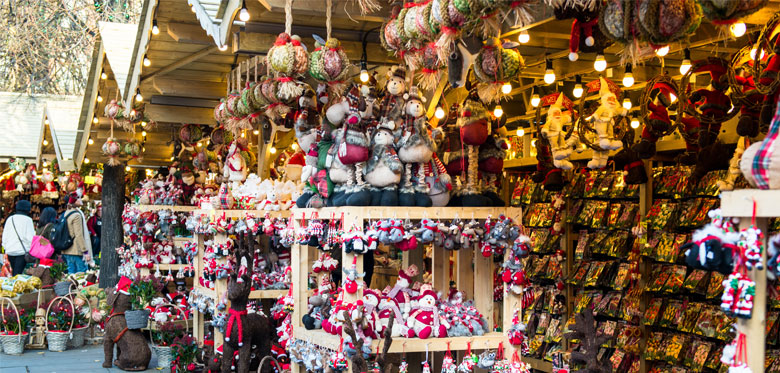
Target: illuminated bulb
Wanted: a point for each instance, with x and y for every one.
(520, 132)
(533, 143)
(753, 53)
(439, 113)
(535, 100)
(738, 29)
(192, 8)
(577, 92)
(524, 37)
(363, 76)
(99, 98)
(243, 134)
(686, 62)
(199, 144)
(127, 168)
(143, 123)
(172, 158)
(223, 47)
(95, 120)
(243, 15)
(272, 150)
(600, 64)
(294, 146)
(628, 77)
(256, 132)
(147, 61)
(46, 122)
(663, 51)
(86, 160)
(132, 112)
(103, 75)
(673, 97)
(138, 96)
(45, 163)
(90, 141)
(634, 123)
(506, 88)
(498, 111)
(45, 142)
(155, 29)
(143, 133)
(627, 103)
(549, 76)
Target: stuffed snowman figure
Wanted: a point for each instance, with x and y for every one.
(424, 321)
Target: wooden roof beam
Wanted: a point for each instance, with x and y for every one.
(180, 63)
(188, 33)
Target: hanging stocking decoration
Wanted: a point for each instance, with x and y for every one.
(502, 363)
(735, 355)
(752, 244)
(338, 362)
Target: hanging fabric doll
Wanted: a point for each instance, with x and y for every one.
(657, 121)
(713, 104)
(604, 123)
(415, 146)
(749, 118)
(383, 169)
(354, 148)
(391, 108)
(553, 131)
(474, 125)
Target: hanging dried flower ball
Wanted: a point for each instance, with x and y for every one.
(288, 59)
(667, 21)
(388, 36)
(495, 65)
(451, 20)
(330, 65)
(190, 133)
(727, 12)
(132, 149)
(111, 148)
(112, 109)
(431, 65)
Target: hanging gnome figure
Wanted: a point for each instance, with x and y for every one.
(415, 146)
(749, 117)
(491, 164)
(383, 169)
(657, 121)
(553, 131)
(604, 124)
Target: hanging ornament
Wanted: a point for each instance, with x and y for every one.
(735, 355)
(728, 12)
(494, 65)
(329, 63)
(664, 22)
(431, 66)
(448, 363)
(111, 148)
(617, 21)
(288, 59)
(132, 149)
(388, 35)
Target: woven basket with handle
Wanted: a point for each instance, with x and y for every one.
(58, 340)
(12, 344)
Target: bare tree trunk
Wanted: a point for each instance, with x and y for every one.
(111, 234)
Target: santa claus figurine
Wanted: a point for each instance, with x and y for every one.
(424, 321)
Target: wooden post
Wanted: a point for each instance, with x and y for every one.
(483, 287)
(198, 322)
(441, 269)
(414, 257)
(465, 275)
(112, 236)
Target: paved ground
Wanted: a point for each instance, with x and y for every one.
(88, 359)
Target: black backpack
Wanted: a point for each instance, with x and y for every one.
(59, 236)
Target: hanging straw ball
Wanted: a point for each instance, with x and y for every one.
(330, 65)
(111, 148)
(257, 95)
(112, 109)
(728, 11)
(190, 133)
(450, 21)
(388, 34)
(220, 137)
(219, 112)
(667, 21)
(288, 56)
(429, 74)
(495, 65)
(132, 149)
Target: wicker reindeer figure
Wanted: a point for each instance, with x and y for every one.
(132, 351)
(244, 330)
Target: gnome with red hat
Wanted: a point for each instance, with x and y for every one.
(748, 124)
(712, 102)
(424, 321)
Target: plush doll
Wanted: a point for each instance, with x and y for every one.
(401, 291)
(371, 325)
(424, 320)
(546, 172)
(235, 169)
(712, 102)
(628, 160)
(438, 181)
(657, 121)
(604, 124)
(749, 118)
(391, 108)
(49, 189)
(383, 169)
(553, 131)
(491, 165)
(473, 122)
(337, 172)
(415, 146)
(353, 150)
(388, 308)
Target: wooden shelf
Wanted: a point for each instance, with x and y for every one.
(379, 212)
(318, 337)
(544, 366)
(739, 203)
(268, 294)
(182, 239)
(170, 267)
(165, 207)
(242, 213)
(205, 291)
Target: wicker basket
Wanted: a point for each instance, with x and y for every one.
(137, 319)
(62, 288)
(164, 356)
(58, 341)
(13, 344)
(77, 340)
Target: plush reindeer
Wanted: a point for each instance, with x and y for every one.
(132, 351)
(244, 330)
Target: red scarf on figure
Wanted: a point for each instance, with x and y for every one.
(235, 315)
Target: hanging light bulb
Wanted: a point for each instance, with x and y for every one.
(99, 98)
(172, 158)
(524, 37)
(143, 133)
(45, 142)
(86, 160)
(634, 122)
(601, 63)
(498, 111)
(243, 134)
(549, 74)
(628, 76)
(533, 143)
(272, 150)
(663, 51)
(363, 71)
(222, 47)
(138, 97)
(577, 92)
(46, 121)
(243, 15)
(627, 103)
(143, 123)
(738, 29)
(256, 132)
(294, 146)
(506, 88)
(90, 141)
(127, 168)
(672, 97)
(520, 132)
(45, 163)
(147, 61)
(103, 75)
(95, 120)
(155, 29)
(686, 62)
(535, 99)
(200, 144)
(439, 113)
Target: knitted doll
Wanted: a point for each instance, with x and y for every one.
(415, 146)
(473, 122)
(391, 108)
(354, 148)
(383, 169)
(424, 320)
(553, 131)
(491, 165)
(748, 124)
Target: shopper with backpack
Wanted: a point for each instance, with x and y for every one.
(79, 252)
(18, 232)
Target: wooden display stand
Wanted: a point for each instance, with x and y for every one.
(739, 204)
(473, 274)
